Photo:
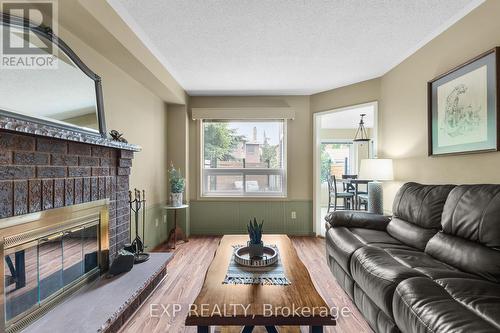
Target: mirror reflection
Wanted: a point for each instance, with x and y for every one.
(61, 93)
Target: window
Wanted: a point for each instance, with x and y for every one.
(337, 158)
(243, 158)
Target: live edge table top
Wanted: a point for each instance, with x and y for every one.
(222, 304)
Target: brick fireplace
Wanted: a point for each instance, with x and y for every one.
(39, 173)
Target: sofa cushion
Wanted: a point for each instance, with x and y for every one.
(377, 273)
(341, 243)
(421, 205)
(417, 213)
(409, 233)
(426, 264)
(422, 305)
(479, 296)
(370, 236)
(468, 256)
(470, 239)
(473, 212)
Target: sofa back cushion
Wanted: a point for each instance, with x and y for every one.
(421, 205)
(417, 211)
(470, 239)
(465, 255)
(473, 212)
(409, 233)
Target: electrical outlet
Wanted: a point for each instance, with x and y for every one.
(294, 215)
(156, 223)
(164, 218)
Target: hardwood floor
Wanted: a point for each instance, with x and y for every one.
(186, 273)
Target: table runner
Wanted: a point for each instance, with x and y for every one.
(269, 275)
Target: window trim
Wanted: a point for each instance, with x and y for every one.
(252, 195)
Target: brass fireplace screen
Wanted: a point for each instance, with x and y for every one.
(48, 255)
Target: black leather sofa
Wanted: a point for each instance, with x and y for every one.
(433, 267)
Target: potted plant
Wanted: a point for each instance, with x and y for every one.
(177, 184)
(255, 244)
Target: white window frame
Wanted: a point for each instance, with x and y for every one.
(203, 173)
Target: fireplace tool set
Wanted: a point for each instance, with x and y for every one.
(138, 208)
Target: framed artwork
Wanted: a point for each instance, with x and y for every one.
(463, 107)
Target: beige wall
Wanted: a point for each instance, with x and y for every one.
(403, 116)
(359, 93)
(299, 139)
(141, 115)
(402, 99)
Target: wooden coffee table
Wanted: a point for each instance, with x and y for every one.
(220, 304)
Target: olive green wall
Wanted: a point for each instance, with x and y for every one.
(231, 217)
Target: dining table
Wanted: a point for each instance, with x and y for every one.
(355, 183)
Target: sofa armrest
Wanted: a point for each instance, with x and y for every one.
(357, 219)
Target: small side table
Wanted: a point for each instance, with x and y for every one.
(176, 234)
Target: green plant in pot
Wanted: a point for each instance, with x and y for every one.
(255, 244)
(177, 184)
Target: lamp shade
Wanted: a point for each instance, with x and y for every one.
(376, 169)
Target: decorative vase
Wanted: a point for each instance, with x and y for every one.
(176, 199)
(256, 250)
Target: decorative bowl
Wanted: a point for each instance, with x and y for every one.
(242, 257)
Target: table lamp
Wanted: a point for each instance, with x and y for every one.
(376, 170)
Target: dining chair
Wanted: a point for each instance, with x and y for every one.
(347, 186)
(363, 201)
(362, 198)
(334, 194)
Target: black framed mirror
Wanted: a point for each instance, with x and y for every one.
(60, 93)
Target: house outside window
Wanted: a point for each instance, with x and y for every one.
(243, 158)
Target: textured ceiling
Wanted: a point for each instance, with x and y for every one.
(265, 47)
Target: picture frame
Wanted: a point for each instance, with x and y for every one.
(463, 107)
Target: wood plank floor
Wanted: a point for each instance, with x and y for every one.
(186, 273)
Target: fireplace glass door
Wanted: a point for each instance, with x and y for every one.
(37, 271)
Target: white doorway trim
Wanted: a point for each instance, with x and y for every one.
(317, 154)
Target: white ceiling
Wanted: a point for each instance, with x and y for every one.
(348, 119)
(266, 47)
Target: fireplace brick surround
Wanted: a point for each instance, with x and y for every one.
(39, 173)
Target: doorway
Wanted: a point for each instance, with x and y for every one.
(336, 153)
